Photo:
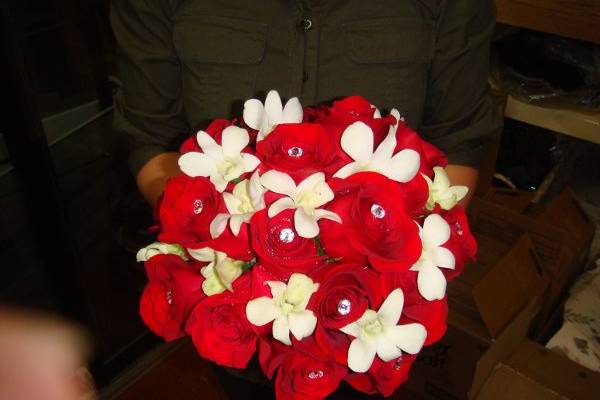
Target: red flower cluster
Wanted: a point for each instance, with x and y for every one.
(320, 255)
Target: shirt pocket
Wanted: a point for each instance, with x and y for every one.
(219, 57)
(390, 56)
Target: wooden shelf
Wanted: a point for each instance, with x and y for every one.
(577, 19)
(578, 124)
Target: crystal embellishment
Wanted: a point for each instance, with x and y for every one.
(398, 364)
(295, 152)
(315, 374)
(344, 307)
(377, 211)
(198, 206)
(286, 235)
(459, 230)
(169, 297)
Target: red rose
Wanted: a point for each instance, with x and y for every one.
(187, 208)
(279, 248)
(302, 377)
(346, 291)
(414, 195)
(375, 225)
(219, 328)
(461, 243)
(297, 149)
(173, 289)
(431, 156)
(382, 377)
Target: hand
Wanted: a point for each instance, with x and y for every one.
(152, 178)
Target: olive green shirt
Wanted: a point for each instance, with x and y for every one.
(183, 63)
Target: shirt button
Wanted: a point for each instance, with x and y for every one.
(306, 24)
(305, 76)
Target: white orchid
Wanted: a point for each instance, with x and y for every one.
(357, 141)
(306, 198)
(431, 280)
(222, 163)
(264, 118)
(441, 192)
(287, 308)
(221, 271)
(246, 199)
(378, 333)
(144, 254)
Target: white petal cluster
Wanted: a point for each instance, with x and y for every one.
(222, 163)
(378, 333)
(431, 280)
(221, 271)
(264, 118)
(358, 142)
(144, 254)
(306, 198)
(286, 308)
(441, 192)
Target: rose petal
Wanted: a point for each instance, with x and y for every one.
(361, 355)
(278, 182)
(409, 338)
(431, 283)
(357, 142)
(305, 224)
(197, 164)
(261, 311)
(391, 309)
(302, 324)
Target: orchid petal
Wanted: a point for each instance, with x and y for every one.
(347, 170)
(436, 231)
(197, 164)
(431, 283)
(443, 257)
(205, 254)
(278, 182)
(440, 179)
(357, 142)
(273, 107)
(410, 337)
(396, 114)
(277, 288)
(236, 221)
(330, 215)
(292, 112)
(311, 182)
(209, 146)
(351, 329)
(385, 150)
(231, 202)
(218, 181)
(403, 166)
(249, 162)
(281, 330)
(233, 140)
(361, 355)
(253, 114)
(391, 309)
(305, 225)
(387, 350)
(218, 225)
(261, 311)
(459, 192)
(302, 324)
(279, 205)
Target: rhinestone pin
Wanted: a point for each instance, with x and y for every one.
(377, 211)
(459, 230)
(315, 374)
(169, 297)
(295, 152)
(398, 364)
(344, 307)
(198, 206)
(286, 235)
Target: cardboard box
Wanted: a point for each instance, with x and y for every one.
(562, 235)
(491, 307)
(535, 373)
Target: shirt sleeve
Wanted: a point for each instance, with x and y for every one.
(148, 105)
(460, 114)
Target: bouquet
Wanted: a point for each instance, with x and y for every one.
(319, 238)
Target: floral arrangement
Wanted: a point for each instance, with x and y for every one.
(319, 238)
